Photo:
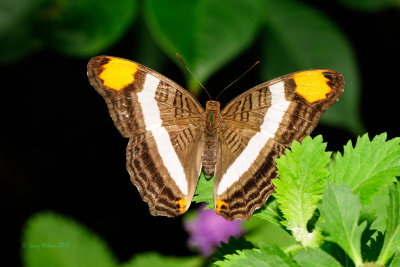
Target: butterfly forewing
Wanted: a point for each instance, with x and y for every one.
(258, 126)
(162, 121)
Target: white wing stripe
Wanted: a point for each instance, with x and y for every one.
(268, 130)
(152, 120)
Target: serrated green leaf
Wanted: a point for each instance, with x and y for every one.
(337, 252)
(300, 37)
(395, 262)
(369, 166)
(85, 28)
(153, 259)
(259, 231)
(263, 257)
(205, 191)
(233, 245)
(340, 212)
(59, 241)
(270, 212)
(207, 34)
(371, 248)
(379, 205)
(392, 234)
(371, 239)
(300, 184)
(315, 257)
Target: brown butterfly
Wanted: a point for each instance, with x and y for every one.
(172, 138)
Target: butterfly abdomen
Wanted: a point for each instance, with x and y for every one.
(212, 118)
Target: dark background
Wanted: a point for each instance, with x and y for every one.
(60, 151)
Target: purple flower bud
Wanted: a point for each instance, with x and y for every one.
(209, 229)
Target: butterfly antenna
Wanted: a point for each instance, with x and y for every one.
(193, 75)
(237, 79)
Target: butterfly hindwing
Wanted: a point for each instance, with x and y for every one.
(161, 119)
(258, 126)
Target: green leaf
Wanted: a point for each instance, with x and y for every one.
(299, 37)
(369, 167)
(396, 260)
(153, 259)
(17, 35)
(379, 205)
(337, 252)
(371, 248)
(231, 247)
(259, 231)
(263, 257)
(205, 191)
(85, 28)
(300, 184)
(371, 239)
(147, 51)
(315, 257)
(207, 34)
(340, 212)
(59, 241)
(270, 212)
(392, 234)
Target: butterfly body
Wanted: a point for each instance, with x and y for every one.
(210, 137)
(172, 138)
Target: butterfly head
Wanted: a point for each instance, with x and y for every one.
(212, 105)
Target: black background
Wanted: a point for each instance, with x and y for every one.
(60, 151)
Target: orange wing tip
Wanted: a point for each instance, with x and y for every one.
(220, 203)
(182, 204)
(312, 85)
(118, 73)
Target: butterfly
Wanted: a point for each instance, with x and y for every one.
(172, 138)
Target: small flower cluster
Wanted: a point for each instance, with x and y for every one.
(209, 229)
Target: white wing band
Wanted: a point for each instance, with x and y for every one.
(268, 129)
(152, 120)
